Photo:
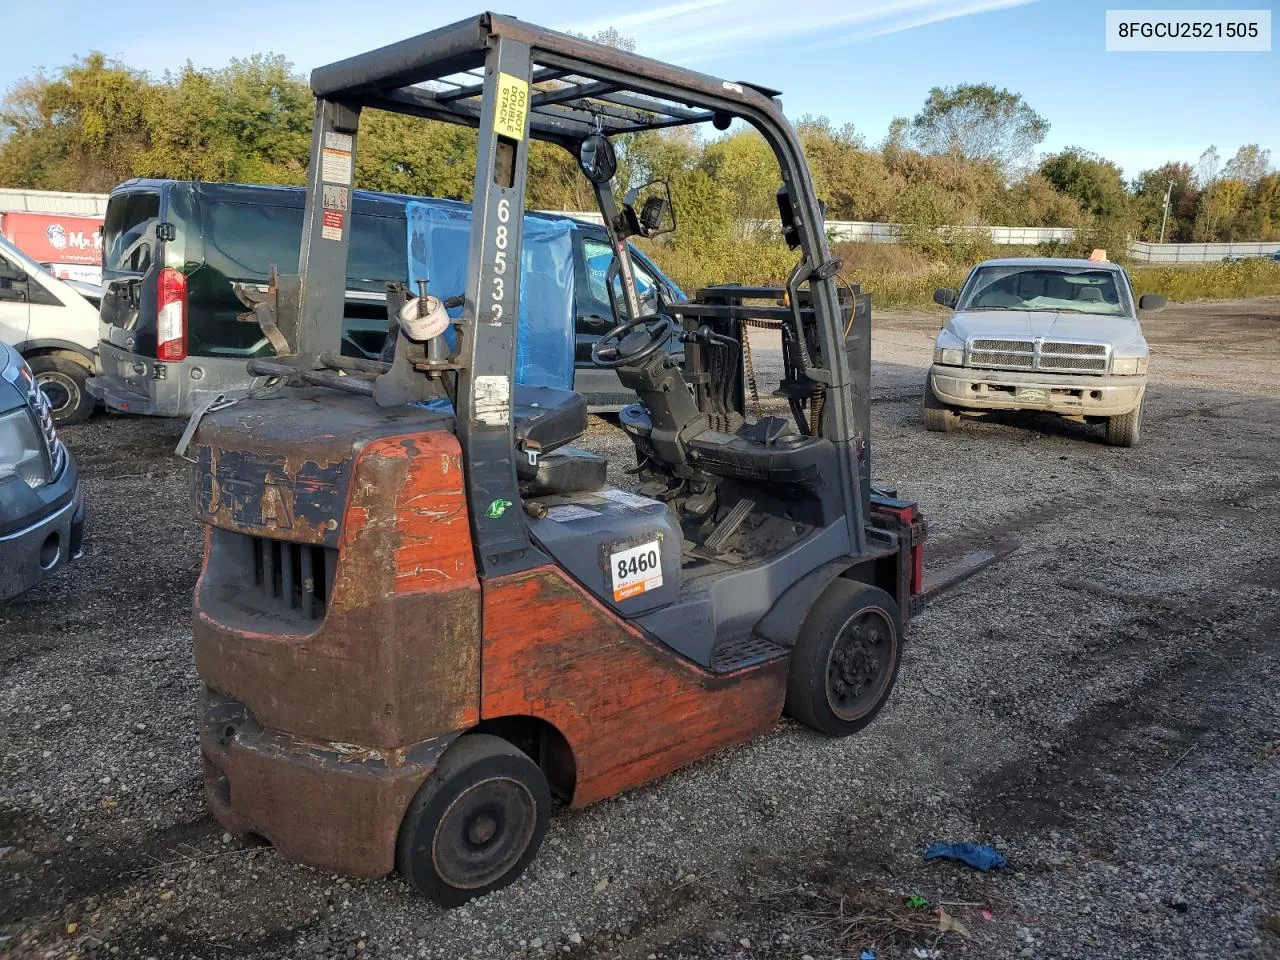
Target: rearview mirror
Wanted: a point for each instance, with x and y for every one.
(1152, 301)
(596, 158)
(945, 296)
(648, 209)
(9, 272)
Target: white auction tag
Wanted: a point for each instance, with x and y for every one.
(636, 570)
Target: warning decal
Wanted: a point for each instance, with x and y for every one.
(636, 570)
(335, 166)
(491, 400)
(513, 106)
(331, 225)
(335, 198)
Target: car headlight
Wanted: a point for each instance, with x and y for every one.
(1129, 366)
(21, 451)
(948, 356)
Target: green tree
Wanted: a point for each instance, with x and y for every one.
(1148, 201)
(978, 122)
(83, 129)
(1097, 185)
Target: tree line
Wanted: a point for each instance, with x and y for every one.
(968, 157)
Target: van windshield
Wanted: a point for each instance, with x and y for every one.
(128, 234)
(1046, 289)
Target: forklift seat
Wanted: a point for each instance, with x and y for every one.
(548, 417)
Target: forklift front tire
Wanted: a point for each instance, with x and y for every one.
(475, 823)
(938, 417)
(846, 659)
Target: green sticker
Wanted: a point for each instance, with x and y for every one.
(498, 508)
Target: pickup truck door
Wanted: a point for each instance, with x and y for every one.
(15, 303)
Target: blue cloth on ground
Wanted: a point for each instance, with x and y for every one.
(977, 855)
(439, 243)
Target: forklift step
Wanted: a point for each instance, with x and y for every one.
(729, 525)
(745, 651)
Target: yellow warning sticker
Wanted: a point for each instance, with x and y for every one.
(513, 106)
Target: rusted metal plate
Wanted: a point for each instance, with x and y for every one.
(630, 709)
(334, 806)
(396, 659)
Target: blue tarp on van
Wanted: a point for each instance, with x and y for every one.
(439, 238)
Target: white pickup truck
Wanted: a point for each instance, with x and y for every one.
(1046, 334)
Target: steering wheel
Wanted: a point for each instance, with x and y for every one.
(633, 341)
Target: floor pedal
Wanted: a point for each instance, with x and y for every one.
(729, 525)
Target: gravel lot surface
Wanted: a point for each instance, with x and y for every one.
(1103, 707)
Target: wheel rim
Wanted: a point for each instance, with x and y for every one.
(484, 833)
(860, 664)
(60, 390)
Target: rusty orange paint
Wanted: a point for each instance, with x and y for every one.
(630, 708)
(433, 534)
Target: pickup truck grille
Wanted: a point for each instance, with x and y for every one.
(54, 449)
(1050, 356)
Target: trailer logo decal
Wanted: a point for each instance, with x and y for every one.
(636, 570)
(513, 106)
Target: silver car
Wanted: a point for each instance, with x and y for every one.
(1046, 334)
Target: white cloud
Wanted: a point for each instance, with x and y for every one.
(701, 30)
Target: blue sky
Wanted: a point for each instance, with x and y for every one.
(858, 61)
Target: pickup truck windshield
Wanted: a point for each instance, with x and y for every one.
(1041, 289)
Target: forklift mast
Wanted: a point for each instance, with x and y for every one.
(513, 81)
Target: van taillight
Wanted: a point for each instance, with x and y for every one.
(171, 315)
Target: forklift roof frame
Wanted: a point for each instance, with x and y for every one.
(482, 72)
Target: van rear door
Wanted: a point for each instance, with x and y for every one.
(131, 263)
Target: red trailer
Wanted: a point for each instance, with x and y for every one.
(70, 246)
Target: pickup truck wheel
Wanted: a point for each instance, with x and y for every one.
(475, 823)
(1126, 429)
(846, 659)
(63, 383)
(938, 417)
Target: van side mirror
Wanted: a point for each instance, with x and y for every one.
(1152, 301)
(945, 296)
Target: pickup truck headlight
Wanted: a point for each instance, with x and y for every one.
(1129, 366)
(948, 356)
(21, 451)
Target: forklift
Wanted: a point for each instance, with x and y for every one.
(423, 612)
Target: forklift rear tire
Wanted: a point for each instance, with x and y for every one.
(846, 659)
(938, 417)
(475, 823)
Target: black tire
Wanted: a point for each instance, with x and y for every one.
(938, 417)
(476, 822)
(846, 659)
(63, 382)
(1126, 429)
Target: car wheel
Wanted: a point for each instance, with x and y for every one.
(938, 417)
(1126, 429)
(475, 823)
(63, 382)
(846, 659)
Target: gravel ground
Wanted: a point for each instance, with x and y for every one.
(1102, 706)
